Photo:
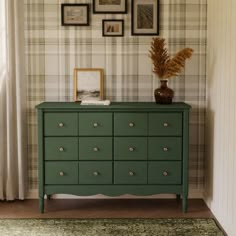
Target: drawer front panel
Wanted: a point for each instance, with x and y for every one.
(134, 148)
(127, 172)
(165, 124)
(61, 172)
(130, 124)
(163, 148)
(61, 148)
(99, 148)
(95, 172)
(61, 124)
(164, 172)
(95, 124)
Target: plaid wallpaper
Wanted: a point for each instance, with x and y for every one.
(52, 52)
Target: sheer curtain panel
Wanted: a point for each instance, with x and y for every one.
(13, 129)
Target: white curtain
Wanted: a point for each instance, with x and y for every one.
(13, 129)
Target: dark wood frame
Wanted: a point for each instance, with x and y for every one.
(132, 20)
(74, 5)
(103, 27)
(110, 12)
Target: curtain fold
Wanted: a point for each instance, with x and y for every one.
(13, 128)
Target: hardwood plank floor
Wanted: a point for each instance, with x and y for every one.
(105, 208)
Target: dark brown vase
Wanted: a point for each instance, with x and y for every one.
(164, 95)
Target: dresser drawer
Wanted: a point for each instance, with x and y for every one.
(95, 124)
(164, 172)
(61, 124)
(61, 148)
(61, 172)
(165, 124)
(163, 148)
(95, 172)
(131, 148)
(130, 124)
(95, 148)
(129, 172)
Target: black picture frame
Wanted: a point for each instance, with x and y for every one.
(109, 10)
(70, 22)
(138, 15)
(110, 33)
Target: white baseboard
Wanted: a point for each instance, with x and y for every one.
(193, 194)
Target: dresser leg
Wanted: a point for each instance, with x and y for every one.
(185, 204)
(41, 204)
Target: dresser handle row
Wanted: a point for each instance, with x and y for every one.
(131, 124)
(96, 149)
(96, 173)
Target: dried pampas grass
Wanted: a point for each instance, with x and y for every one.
(165, 66)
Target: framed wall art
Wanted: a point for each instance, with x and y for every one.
(110, 6)
(88, 84)
(75, 14)
(145, 17)
(112, 28)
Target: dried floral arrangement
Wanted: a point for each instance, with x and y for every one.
(165, 66)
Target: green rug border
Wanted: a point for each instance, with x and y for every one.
(217, 224)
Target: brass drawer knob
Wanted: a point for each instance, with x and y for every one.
(61, 149)
(131, 124)
(61, 173)
(131, 149)
(165, 173)
(165, 149)
(95, 173)
(95, 149)
(61, 124)
(165, 124)
(131, 173)
(95, 125)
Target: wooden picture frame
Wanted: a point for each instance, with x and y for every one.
(88, 84)
(74, 14)
(110, 6)
(145, 17)
(112, 28)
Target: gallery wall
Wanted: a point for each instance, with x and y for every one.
(53, 51)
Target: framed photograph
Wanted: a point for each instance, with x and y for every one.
(110, 6)
(88, 84)
(75, 14)
(145, 17)
(113, 28)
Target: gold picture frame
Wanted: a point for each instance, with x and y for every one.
(88, 84)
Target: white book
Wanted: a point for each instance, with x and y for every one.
(94, 102)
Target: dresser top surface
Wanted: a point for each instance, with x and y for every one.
(114, 106)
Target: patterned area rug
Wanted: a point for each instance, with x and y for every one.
(105, 227)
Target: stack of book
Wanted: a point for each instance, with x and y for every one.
(94, 102)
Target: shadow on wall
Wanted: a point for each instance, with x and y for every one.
(209, 162)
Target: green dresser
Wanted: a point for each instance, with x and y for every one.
(125, 148)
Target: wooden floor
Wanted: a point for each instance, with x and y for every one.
(105, 208)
